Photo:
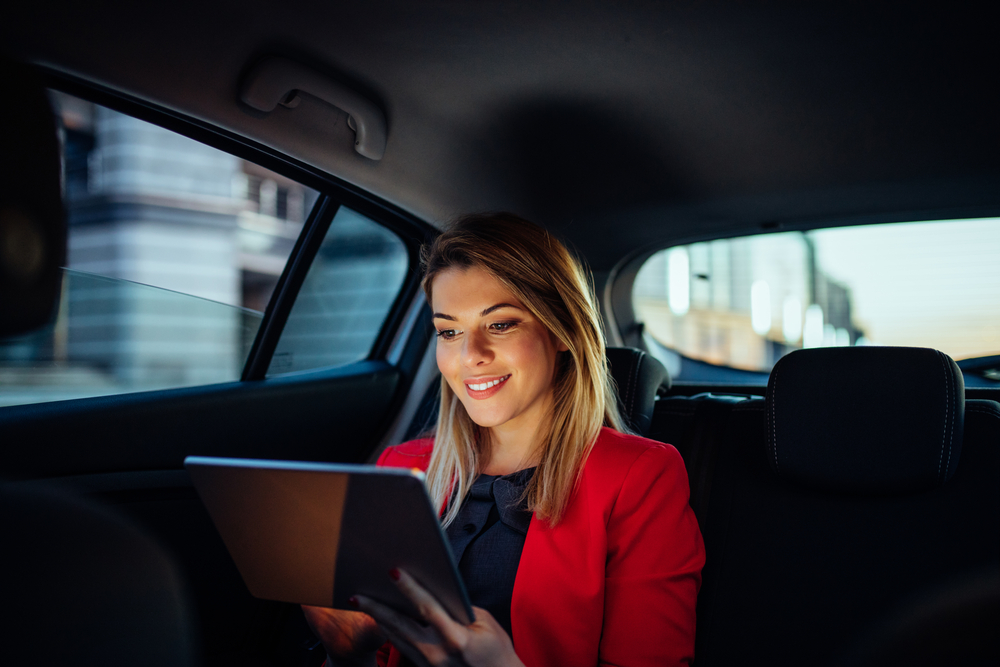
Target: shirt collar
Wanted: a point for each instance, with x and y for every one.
(506, 492)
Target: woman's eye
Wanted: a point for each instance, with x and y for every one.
(502, 326)
(447, 334)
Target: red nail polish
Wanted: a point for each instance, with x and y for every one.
(394, 574)
(353, 601)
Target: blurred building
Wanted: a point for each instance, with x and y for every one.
(743, 302)
(154, 208)
(175, 249)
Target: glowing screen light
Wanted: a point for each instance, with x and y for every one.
(678, 281)
(760, 307)
(791, 319)
(812, 332)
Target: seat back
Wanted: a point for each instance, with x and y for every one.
(79, 583)
(83, 585)
(860, 481)
(637, 377)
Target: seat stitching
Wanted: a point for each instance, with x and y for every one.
(774, 428)
(947, 414)
(983, 410)
(952, 409)
(941, 456)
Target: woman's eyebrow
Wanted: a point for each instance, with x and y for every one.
(497, 307)
(442, 316)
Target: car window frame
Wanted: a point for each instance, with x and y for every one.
(333, 193)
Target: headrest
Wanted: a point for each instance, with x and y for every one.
(637, 377)
(68, 555)
(883, 420)
(32, 220)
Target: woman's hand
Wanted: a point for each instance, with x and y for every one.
(350, 637)
(443, 641)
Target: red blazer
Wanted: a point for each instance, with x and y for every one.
(615, 582)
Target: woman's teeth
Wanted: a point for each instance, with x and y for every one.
(486, 385)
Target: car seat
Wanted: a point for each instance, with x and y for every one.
(79, 584)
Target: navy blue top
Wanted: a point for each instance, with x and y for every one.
(487, 537)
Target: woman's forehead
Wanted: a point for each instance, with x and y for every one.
(469, 292)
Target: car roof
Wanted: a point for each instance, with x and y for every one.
(622, 126)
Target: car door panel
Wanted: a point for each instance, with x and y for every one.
(332, 415)
(127, 451)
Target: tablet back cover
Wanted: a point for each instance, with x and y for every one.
(319, 533)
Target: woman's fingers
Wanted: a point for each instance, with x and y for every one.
(344, 633)
(444, 641)
(389, 617)
(454, 633)
(418, 642)
(411, 651)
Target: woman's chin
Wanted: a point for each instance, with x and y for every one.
(487, 422)
(486, 418)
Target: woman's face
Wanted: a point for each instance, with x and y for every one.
(498, 359)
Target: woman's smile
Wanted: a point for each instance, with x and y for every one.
(482, 388)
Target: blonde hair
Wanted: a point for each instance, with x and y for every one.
(549, 281)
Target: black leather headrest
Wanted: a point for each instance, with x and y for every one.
(882, 420)
(637, 376)
(32, 220)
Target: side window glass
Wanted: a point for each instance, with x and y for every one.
(742, 303)
(351, 285)
(174, 250)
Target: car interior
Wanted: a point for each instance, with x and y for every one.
(848, 492)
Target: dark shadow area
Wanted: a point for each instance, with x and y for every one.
(564, 159)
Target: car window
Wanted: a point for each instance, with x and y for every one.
(174, 251)
(114, 336)
(744, 302)
(351, 285)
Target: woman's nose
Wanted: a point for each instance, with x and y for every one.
(476, 350)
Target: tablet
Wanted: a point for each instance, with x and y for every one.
(317, 533)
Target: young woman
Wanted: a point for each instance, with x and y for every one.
(574, 538)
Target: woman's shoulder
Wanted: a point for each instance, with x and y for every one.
(411, 454)
(631, 477)
(615, 454)
(612, 445)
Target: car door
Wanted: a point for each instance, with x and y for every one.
(297, 340)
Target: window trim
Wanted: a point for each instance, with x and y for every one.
(334, 192)
(287, 289)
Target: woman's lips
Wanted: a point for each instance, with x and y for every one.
(489, 386)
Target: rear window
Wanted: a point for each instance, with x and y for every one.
(744, 302)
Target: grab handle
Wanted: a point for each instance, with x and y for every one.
(276, 80)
